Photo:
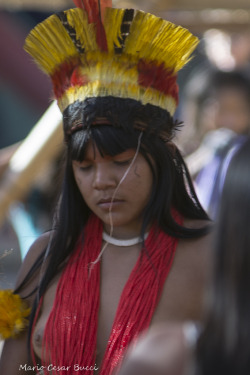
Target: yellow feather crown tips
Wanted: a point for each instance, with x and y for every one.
(149, 52)
(13, 314)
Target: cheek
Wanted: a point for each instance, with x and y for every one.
(77, 178)
(142, 180)
(81, 184)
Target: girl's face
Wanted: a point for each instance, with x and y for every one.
(98, 176)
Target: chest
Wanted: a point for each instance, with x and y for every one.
(180, 299)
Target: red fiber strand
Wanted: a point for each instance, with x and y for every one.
(71, 331)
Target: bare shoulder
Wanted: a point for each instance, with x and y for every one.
(188, 279)
(196, 253)
(200, 247)
(35, 251)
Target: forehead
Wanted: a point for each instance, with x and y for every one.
(93, 153)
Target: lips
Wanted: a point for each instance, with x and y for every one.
(106, 203)
(105, 200)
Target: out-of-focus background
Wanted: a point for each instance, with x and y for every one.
(214, 106)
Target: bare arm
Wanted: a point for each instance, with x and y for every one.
(15, 354)
(15, 357)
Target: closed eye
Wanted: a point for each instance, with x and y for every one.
(85, 168)
(122, 162)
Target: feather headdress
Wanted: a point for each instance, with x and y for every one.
(95, 50)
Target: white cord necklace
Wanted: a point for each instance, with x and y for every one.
(114, 241)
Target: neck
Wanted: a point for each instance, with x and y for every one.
(123, 233)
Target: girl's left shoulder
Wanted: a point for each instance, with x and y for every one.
(197, 252)
(201, 242)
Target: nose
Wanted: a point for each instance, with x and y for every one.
(103, 177)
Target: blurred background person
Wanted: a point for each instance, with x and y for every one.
(224, 347)
(225, 120)
(226, 102)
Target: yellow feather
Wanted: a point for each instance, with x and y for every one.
(154, 39)
(112, 24)
(150, 38)
(123, 90)
(13, 314)
(85, 32)
(50, 45)
(114, 75)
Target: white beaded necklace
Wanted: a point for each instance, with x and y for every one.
(114, 241)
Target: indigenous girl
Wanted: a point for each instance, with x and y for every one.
(128, 248)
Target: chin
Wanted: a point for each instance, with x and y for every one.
(118, 220)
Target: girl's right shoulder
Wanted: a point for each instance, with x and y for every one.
(29, 274)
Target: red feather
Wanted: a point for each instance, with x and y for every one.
(95, 10)
(106, 4)
(78, 3)
(157, 77)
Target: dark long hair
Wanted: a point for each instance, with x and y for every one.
(224, 346)
(172, 185)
